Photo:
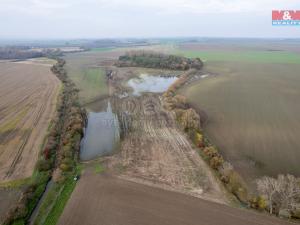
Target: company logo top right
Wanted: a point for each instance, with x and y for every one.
(286, 17)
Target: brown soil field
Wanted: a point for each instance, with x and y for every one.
(28, 94)
(108, 200)
(252, 116)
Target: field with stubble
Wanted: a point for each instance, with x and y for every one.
(28, 94)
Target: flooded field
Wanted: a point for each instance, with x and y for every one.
(149, 83)
(101, 135)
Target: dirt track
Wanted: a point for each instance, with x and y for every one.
(28, 94)
(102, 199)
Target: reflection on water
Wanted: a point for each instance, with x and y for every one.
(149, 83)
(101, 135)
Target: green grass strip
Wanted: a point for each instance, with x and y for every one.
(245, 56)
(60, 203)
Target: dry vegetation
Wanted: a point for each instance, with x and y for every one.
(155, 150)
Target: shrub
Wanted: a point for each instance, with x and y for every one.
(216, 161)
(67, 161)
(210, 151)
(47, 153)
(258, 202)
(43, 165)
(65, 167)
(67, 147)
(57, 175)
(190, 120)
(67, 154)
(237, 187)
(296, 213)
(198, 139)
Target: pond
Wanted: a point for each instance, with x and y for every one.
(101, 136)
(150, 83)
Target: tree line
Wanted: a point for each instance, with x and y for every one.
(151, 59)
(14, 52)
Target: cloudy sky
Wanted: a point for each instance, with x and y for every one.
(142, 18)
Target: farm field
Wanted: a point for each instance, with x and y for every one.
(252, 113)
(246, 56)
(28, 99)
(88, 75)
(239, 45)
(28, 95)
(106, 200)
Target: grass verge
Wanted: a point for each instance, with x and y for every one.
(60, 202)
(56, 199)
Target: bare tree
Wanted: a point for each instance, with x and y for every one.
(284, 192)
(267, 186)
(288, 191)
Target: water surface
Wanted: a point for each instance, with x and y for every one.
(101, 135)
(150, 83)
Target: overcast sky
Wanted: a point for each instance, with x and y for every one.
(142, 18)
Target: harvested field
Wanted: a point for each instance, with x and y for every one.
(155, 150)
(107, 200)
(28, 94)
